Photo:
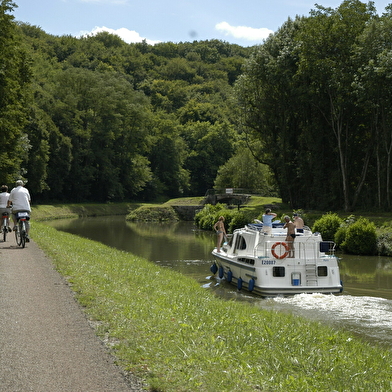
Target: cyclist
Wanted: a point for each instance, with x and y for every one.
(20, 200)
(4, 195)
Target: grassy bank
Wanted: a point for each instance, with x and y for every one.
(58, 211)
(166, 329)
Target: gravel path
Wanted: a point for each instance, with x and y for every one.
(46, 342)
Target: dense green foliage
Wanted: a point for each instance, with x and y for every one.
(153, 213)
(305, 116)
(209, 215)
(169, 331)
(360, 238)
(243, 171)
(316, 103)
(104, 120)
(351, 235)
(14, 77)
(384, 243)
(327, 226)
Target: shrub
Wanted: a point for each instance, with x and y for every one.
(384, 244)
(327, 226)
(206, 218)
(340, 236)
(153, 213)
(238, 219)
(361, 238)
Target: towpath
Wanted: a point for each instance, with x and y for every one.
(46, 342)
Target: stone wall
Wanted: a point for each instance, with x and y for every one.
(187, 213)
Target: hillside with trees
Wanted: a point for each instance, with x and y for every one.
(316, 102)
(305, 116)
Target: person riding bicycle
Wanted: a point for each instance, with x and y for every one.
(20, 200)
(4, 195)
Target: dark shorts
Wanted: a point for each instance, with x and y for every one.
(292, 235)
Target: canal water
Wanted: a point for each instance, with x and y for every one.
(364, 308)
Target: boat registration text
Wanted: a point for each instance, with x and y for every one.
(268, 262)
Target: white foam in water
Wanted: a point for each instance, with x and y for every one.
(367, 316)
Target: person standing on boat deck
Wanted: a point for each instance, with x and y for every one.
(219, 227)
(267, 221)
(298, 223)
(290, 234)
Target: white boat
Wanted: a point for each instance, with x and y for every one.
(259, 262)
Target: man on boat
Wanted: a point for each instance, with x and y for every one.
(298, 223)
(290, 234)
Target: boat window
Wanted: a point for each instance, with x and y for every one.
(322, 271)
(241, 243)
(324, 246)
(278, 271)
(245, 260)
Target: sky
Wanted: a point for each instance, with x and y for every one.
(242, 22)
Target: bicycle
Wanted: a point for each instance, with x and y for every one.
(22, 219)
(4, 226)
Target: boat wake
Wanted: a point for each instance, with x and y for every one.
(369, 317)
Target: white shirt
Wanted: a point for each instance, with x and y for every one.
(4, 199)
(20, 198)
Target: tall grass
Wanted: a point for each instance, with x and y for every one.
(166, 329)
(57, 211)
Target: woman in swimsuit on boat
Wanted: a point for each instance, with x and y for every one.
(219, 227)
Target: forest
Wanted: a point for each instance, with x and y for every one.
(305, 116)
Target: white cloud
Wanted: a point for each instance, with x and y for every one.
(129, 36)
(243, 32)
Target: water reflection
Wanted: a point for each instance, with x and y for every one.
(180, 245)
(367, 275)
(364, 308)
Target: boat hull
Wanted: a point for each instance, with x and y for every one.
(268, 264)
(261, 279)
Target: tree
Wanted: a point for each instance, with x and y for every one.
(112, 121)
(299, 108)
(37, 129)
(242, 170)
(269, 101)
(374, 97)
(167, 157)
(326, 67)
(209, 146)
(14, 81)
(106, 122)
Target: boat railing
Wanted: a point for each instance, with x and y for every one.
(306, 249)
(327, 248)
(228, 239)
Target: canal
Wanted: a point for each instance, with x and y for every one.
(364, 308)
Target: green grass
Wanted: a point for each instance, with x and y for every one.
(186, 201)
(59, 211)
(177, 336)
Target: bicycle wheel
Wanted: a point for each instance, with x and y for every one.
(5, 231)
(18, 234)
(23, 238)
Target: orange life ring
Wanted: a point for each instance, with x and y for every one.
(282, 256)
